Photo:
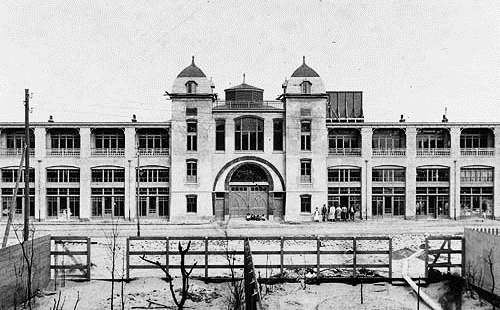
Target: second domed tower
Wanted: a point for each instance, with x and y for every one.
(304, 81)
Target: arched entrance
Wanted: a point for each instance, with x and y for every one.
(249, 185)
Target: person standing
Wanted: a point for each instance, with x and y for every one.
(352, 211)
(344, 213)
(331, 214)
(316, 215)
(338, 213)
(324, 212)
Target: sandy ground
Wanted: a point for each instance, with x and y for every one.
(147, 293)
(408, 237)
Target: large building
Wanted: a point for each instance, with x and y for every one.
(218, 159)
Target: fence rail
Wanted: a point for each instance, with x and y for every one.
(354, 252)
(61, 248)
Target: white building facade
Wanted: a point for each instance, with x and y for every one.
(220, 159)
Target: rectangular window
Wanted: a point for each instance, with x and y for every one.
(63, 175)
(191, 201)
(249, 134)
(476, 175)
(388, 175)
(278, 134)
(191, 111)
(192, 136)
(153, 141)
(433, 175)
(305, 171)
(344, 175)
(305, 203)
(305, 136)
(220, 135)
(10, 175)
(191, 171)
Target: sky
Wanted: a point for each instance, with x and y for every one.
(106, 60)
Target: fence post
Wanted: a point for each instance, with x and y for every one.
(127, 259)
(449, 255)
(426, 253)
(463, 257)
(246, 277)
(390, 259)
(206, 260)
(282, 244)
(354, 257)
(167, 253)
(318, 256)
(88, 259)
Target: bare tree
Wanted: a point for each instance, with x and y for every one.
(27, 249)
(184, 273)
(113, 248)
(235, 300)
(489, 260)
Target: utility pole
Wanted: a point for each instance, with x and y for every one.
(26, 164)
(137, 195)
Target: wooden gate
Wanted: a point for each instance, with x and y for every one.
(248, 199)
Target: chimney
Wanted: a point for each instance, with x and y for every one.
(445, 119)
(134, 118)
(51, 119)
(402, 119)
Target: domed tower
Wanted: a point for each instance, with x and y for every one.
(244, 95)
(305, 101)
(191, 144)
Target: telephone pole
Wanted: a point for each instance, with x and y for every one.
(26, 164)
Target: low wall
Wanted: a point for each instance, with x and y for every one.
(481, 246)
(13, 270)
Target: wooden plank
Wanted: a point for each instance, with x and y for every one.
(69, 267)
(89, 262)
(318, 257)
(282, 260)
(354, 256)
(70, 253)
(206, 259)
(445, 251)
(127, 259)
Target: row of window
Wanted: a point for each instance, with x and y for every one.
(388, 175)
(105, 202)
(156, 139)
(97, 175)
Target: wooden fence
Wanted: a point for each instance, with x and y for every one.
(66, 257)
(354, 252)
(252, 291)
(445, 252)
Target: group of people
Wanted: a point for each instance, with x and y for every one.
(255, 217)
(335, 214)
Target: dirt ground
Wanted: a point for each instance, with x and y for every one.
(149, 293)
(408, 237)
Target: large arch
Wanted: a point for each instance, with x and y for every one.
(267, 165)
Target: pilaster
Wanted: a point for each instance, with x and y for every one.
(130, 142)
(85, 142)
(411, 172)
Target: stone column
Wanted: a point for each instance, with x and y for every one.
(130, 143)
(496, 176)
(85, 142)
(36, 164)
(411, 172)
(455, 173)
(85, 173)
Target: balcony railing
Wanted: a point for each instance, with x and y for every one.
(478, 152)
(345, 152)
(14, 152)
(389, 152)
(220, 105)
(63, 152)
(433, 152)
(108, 152)
(153, 152)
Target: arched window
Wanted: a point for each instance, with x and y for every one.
(191, 87)
(249, 134)
(305, 87)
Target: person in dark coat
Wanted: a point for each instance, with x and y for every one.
(324, 212)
